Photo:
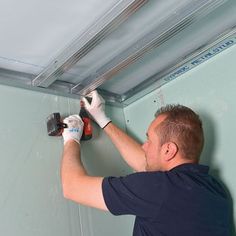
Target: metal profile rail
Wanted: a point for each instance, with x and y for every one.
(167, 29)
(87, 41)
(188, 62)
(216, 45)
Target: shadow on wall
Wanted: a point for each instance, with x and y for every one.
(207, 158)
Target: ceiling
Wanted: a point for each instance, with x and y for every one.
(124, 48)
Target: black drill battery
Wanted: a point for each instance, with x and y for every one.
(54, 124)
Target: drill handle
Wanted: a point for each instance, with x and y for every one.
(62, 125)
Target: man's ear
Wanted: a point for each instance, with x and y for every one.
(169, 150)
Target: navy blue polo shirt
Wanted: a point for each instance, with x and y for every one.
(185, 201)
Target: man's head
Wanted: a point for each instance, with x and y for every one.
(174, 137)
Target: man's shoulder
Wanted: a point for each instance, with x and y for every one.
(144, 178)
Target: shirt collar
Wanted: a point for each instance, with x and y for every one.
(197, 168)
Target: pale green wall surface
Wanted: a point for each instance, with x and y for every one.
(102, 159)
(31, 201)
(210, 89)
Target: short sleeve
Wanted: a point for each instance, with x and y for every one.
(140, 194)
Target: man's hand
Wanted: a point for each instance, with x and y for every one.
(74, 130)
(96, 109)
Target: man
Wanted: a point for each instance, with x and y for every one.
(170, 194)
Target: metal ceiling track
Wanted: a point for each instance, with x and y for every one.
(87, 41)
(215, 46)
(49, 84)
(183, 65)
(24, 80)
(164, 31)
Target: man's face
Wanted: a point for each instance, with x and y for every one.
(152, 147)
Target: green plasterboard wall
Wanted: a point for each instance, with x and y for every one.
(31, 201)
(210, 89)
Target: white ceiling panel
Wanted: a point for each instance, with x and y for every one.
(34, 32)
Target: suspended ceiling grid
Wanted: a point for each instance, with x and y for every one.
(124, 48)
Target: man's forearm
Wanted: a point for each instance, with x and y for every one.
(130, 150)
(72, 166)
(77, 185)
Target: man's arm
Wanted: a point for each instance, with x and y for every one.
(129, 149)
(77, 185)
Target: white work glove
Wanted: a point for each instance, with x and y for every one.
(74, 130)
(96, 108)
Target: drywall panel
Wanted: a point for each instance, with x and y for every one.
(210, 90)
(31, 201)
